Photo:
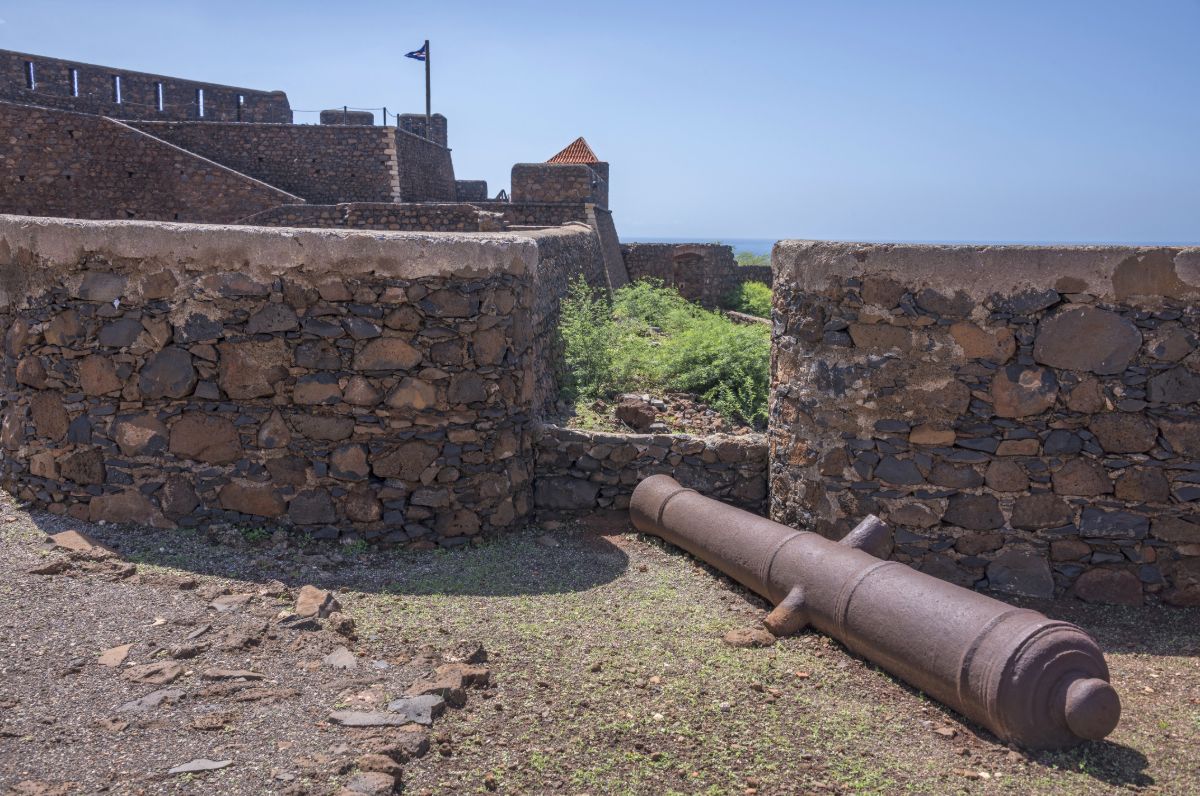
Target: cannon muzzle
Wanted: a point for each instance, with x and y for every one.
(1029, 679)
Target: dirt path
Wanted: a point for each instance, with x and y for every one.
(607, 675)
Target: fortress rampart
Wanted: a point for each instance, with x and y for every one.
(1026, 416)
(88, 88)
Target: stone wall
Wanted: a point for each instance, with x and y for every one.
(378, 385)
(1025, 416)
(87, 88)
(581, 471)
(470, 190)
(397, 217)
(325, 164)
(702, 272)
(415, 123)
(60, 163)
(558, 183)
(426, 169)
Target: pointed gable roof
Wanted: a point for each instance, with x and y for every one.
(577, 151)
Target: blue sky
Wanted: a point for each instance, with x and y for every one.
(998, 121)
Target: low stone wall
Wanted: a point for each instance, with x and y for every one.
(1025, 416)
(323, 163)
(396, 217)
(370, 384)
(702, 272)
(581, 471)
(60, 163)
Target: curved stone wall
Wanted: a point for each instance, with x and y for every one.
(376, 385)
(1025, 416)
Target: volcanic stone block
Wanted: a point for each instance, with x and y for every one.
(49, 416)
(1123, 432)
(1113, 524)
(273, 318)
(274, 432)
(1021, 392)
(64, 329)
(1021, 573)
(101, 286)
(1175, 529)
(129, 506)
(957, 306)
(1043, 510)
(1179, 385)
(178, 496)
(462, 522)
(565, 493)
(319, 388)
(349, 463)
(140, 435)
(1182, 434)
(1149, 485)
(1109, 587)
(120, 333)
(466, 387)
(206, 438)
(312, 507)
(1083, 478)
(996, 345)
(974, 512)
(880, 335)
(98, 375)
(252, 498)
(945, 474)
(405, 461)
(32, 373)
(84, 466)
(413, 393)
(386, 354)
(323, 427)
(882, 291)
(1087, 338)
(167, 374)
(251, 369)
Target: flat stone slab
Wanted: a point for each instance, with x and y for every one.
(152, 700)
(341, 658)
(357, 718)
(200, 764)
(419, 709)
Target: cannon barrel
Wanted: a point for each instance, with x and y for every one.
(1029, 679)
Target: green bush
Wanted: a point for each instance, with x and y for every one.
(648, 338)
(752, 298)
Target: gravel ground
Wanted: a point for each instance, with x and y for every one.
(608, 675)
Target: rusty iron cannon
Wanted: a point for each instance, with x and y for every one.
(1029, 679)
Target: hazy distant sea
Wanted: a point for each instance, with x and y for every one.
(752, 245)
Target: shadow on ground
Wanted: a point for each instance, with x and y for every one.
(529, 562)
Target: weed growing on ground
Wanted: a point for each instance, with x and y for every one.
(648, 338)
(752, 298)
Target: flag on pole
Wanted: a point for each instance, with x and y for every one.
(419, 55)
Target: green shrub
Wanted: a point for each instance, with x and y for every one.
(752, 298)
(649, 338)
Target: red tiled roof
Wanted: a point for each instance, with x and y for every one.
(577, 151)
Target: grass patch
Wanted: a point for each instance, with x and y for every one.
(648, 338)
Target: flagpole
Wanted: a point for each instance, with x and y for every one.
(428, 106)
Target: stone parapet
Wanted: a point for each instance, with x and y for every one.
(371, 385)
(1025, 416)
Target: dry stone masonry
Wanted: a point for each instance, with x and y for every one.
(581, 471)
(377, 385)
(1025, 416)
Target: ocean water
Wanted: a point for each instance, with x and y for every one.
(752, 245)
